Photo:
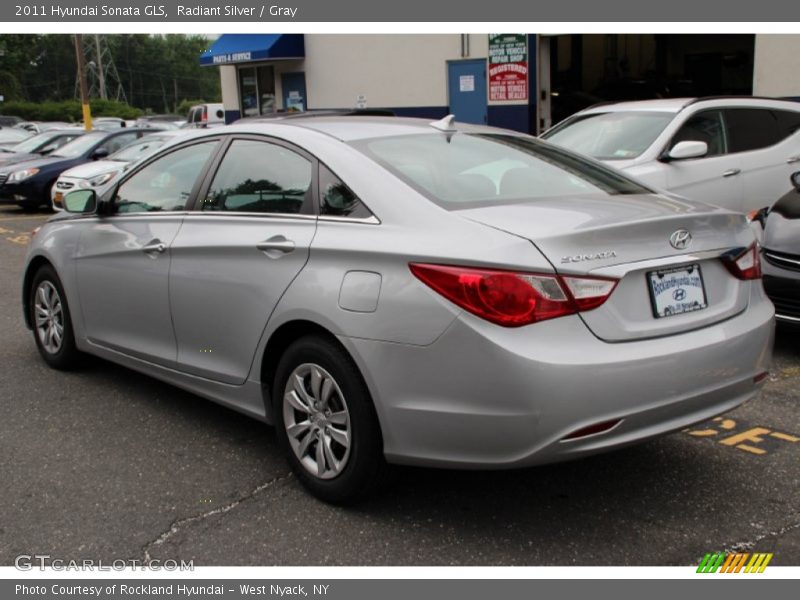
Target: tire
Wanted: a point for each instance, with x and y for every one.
(49, 312)
(311, 434)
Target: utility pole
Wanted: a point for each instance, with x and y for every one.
(101, 74)
(87, 113)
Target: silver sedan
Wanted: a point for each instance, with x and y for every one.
(389, 290)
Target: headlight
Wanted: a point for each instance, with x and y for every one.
(101, 179)
(23, 174)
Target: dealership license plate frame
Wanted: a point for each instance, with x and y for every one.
(660, 274)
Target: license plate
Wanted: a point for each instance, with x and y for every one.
(676, 291)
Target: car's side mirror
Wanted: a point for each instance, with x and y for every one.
(82, 202)
(48, 149)
(100, 154)
(795, 177)
(688, 149)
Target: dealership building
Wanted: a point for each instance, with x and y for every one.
(524, 82)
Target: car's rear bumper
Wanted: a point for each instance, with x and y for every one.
(486, 396)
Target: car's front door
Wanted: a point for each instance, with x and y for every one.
(123, 259)
(237, 253)
(713, 178)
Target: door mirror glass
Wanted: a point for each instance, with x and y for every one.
(81, 202)
(688, 149)
(796, 180)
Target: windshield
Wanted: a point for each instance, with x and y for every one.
(80, 145)
(611, 135)
(41, 140)
(138, 149)
(464, 170)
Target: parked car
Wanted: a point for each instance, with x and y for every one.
(782, 254)
(40, 126)
(38, 145)
(100, 174)
(735, 152)
(10, 136)
(108, 123)
(206, 115)
(29, 184)
(9, 120)
(388, 289)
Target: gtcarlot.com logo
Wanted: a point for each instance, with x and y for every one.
(28, 562)
(740, 562)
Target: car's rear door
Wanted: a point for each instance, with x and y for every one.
(767, 144)
(237, 252)
(123, 259)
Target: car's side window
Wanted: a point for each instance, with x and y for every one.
(256, 176)
(119, 141)
(788, 122)
(166, 183)
(751, 128)
(705, 126)
(338, 200)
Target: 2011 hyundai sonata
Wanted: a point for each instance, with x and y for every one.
(393, 290)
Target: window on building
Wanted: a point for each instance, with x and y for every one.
(257, 90)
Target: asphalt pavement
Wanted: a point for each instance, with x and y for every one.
(108, 464)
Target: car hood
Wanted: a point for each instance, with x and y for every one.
(14, 158)
(782, 231)
(42, 163)
(94, 168)
(600, 231)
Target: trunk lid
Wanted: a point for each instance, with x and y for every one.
(627, 237)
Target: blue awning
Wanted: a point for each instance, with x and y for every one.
(234, 48)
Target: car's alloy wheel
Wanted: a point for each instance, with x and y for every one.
(326, 422)
(50, 319)
(48, 312)
(317, 421)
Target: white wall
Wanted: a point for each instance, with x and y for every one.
(390, 70)
(777, 65)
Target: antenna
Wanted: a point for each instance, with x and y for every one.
(447, 124)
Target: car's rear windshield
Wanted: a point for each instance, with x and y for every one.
(80, 145)
(466, 170)
(612, 135)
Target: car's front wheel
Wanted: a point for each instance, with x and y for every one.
(52, 326)
(326, 421)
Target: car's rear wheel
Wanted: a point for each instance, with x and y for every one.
(326, 421)
(52, 326)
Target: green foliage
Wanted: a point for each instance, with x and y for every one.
(156, 72)
(68, 110)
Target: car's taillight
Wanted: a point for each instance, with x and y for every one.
(204, 118)
(510, 298)
(746, 265)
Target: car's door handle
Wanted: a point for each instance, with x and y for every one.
(793, 159)
(154, 247)
(276, 246)
(731, 172)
